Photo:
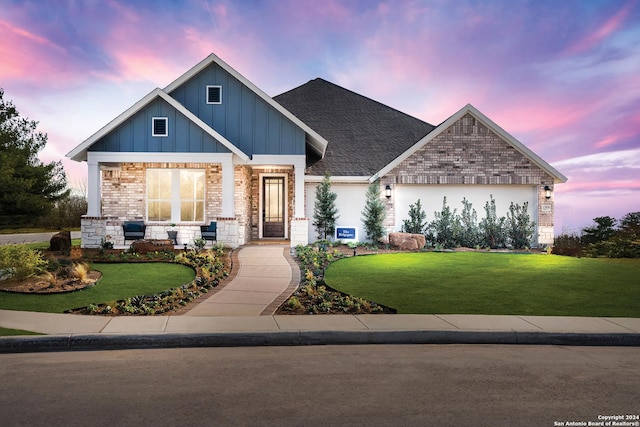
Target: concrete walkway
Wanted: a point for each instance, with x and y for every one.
(264, 280)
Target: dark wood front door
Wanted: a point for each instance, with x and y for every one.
(273, 207)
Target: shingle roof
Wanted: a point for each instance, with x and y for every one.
(364, 135)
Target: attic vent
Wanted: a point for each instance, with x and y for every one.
(214, 94)
(160, 126)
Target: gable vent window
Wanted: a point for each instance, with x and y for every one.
(160, 126)
(214, 94)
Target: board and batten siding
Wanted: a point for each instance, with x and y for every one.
(134, 135)
(243, 118)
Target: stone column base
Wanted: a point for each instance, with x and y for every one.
(545, 235)
(228, 232)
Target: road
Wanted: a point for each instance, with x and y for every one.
(394, 385)
(31, 237)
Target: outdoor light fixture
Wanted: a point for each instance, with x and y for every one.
(387, 191)
(547, 192)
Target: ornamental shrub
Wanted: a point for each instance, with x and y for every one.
(19, 261)
(520, 228)
(416, 223)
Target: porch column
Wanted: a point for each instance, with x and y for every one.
(228, 187)
(93, 187)
(298, 169)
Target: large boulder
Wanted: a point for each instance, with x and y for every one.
(407, 241)
(61, 242)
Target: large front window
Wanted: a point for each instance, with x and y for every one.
(175, 195)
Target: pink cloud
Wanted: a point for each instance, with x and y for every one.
(607, 28)
(23, 52)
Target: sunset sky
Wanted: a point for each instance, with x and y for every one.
(563, 77)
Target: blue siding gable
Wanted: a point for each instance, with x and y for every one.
(243, 117)
(134, 135)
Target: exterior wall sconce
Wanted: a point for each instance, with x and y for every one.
(547, 192)
(387, 191)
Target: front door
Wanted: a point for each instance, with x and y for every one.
(273, 206)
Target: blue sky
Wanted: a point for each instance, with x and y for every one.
(563, 77)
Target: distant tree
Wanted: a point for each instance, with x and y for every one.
(630, 225)
(325, 212)
(492, 229)
(373, 214)
(416, 223)
(28, 188)
(520, 228)
(603, 229)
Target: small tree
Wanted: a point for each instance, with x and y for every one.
(373, 214)
(444, 225)
(325, 212)
(492, 227)
(416, 223)
(520, 228)
(468, 234)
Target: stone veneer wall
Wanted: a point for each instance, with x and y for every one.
(468, 152)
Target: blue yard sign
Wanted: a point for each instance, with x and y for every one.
(346, 233)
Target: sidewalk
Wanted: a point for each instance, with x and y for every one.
(241, 314)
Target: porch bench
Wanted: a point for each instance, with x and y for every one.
(133, 230)
(209, 232)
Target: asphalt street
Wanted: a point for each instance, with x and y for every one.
(439, 385)
(31, 237)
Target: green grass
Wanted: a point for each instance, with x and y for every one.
(118, 281)
(492, 283)
(7, 332)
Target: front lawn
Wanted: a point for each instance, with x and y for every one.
(119, 281)
(492, 283)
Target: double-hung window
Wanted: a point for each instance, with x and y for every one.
(175, 195)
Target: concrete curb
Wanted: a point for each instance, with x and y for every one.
(96, 342)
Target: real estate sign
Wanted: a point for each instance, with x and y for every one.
(346, 234)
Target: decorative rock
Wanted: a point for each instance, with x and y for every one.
(61, 242)
(407, 241)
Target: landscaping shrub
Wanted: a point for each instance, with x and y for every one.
(313, 296)
(416, 223)
(492, 228)
(568, 244)
(520, 228)
(19, 261)
(443, 228)
(467, 232)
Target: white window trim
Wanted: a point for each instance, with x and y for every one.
(166, 126)
(207, 94)
(175, 197)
